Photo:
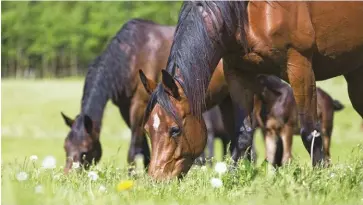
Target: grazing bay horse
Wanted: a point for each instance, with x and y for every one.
(139, 44)
(300, 42)
(278, 101)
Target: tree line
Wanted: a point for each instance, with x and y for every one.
(56, 39)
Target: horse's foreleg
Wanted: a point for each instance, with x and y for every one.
(138, 144)
(302, 81)
(287, 135)
(240, 88)
(211, 138)
(355, 84)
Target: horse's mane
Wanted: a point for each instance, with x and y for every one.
(161, 97)
(194, 48)
(109, 74)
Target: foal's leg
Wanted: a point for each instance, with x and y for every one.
(273, 142)
(253, 150)
(302, 81)
(327, 117)
(327, 128)
(287, 134)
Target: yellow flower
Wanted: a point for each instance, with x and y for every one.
(125, 185)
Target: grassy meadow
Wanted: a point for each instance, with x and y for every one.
(31, 124)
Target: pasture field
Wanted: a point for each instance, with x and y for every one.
(31, 124)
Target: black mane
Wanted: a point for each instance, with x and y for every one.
(161, 97)
(193, 48)
(108, 76)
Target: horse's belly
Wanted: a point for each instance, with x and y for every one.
(326, 67)
(338, 27)
(338, 30)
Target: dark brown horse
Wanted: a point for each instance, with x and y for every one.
(113, 75)
(298, 41)
(277, 100)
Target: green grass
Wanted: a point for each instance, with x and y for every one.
(32, 125)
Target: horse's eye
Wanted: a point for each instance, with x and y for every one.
(174, 131)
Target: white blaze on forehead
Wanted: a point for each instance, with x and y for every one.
(156, 122)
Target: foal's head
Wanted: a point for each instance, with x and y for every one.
(82, 143)
(177, 136)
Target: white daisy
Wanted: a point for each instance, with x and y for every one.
(75, 165)
(33, 158)
(216, 182)
(22, 176)
(49, 162)
(38, 189)
(93, 175)
(102, 188)
(220, 167)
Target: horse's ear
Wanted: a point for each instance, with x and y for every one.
(169, 84)
(149, 85)
(88, 124)
(69, 122)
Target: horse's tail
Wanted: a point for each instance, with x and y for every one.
(337, 105)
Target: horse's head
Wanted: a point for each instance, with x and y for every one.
(82, 143)
(177, 136)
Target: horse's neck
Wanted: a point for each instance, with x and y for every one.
(94, 102)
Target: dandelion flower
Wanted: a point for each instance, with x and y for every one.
(216, 182)
(125, 185)
(22, 176)
(220, 167)
(33, 158)
(38, 189)
(102, 188)
(75, 165)
(49, 162)
(93, 175)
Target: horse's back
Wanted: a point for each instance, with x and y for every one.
(153, 42)
(150, 45)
